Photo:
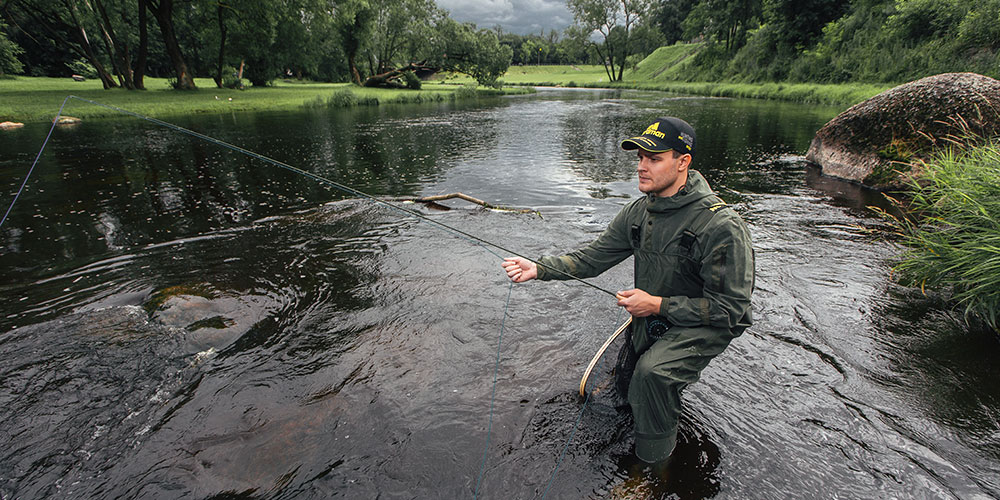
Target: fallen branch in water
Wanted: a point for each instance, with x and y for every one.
(432, 200)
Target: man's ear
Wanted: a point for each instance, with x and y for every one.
(685, 162)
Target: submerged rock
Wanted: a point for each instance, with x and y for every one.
(874, 141)
(67, 120)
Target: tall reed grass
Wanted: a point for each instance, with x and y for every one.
(952, 235)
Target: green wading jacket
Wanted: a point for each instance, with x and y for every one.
(691, 249)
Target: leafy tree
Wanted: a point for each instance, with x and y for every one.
(980, 29)
(355, 22)
(9, 64)
(614, 21)
(462, 48)
(399, 24)
(799, 23)
(667, 15)
(723, 21)
(67, 25)
(573, 47)
(918, 20)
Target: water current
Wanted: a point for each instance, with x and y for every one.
(181, 321)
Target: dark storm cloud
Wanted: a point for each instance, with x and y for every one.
(515, 16)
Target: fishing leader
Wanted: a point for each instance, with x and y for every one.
(694, 274)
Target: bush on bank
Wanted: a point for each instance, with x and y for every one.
(952, 238)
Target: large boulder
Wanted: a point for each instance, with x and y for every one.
(875, 141)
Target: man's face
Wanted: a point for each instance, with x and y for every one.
(661, 173)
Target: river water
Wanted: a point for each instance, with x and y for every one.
(181, 321)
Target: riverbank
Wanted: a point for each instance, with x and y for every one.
(35, 99)
(845, 95)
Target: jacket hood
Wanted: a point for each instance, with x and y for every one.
(695, 189)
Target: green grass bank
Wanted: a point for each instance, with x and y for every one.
(34, 99)
(665, 69)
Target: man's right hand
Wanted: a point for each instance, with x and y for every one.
(520, 270)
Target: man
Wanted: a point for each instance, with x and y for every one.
(694, 273)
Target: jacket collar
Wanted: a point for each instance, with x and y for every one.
(694, 189)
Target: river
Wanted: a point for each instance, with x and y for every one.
(182, 321)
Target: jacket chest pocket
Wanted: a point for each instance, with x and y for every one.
(664, 266)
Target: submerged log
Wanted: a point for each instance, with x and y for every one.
(876, 141)
(433, 201)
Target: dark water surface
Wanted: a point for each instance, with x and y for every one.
(181, 321)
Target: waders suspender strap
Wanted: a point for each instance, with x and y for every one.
(691, 234)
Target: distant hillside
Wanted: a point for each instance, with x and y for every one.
(665, 63)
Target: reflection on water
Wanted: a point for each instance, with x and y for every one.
(182, 321)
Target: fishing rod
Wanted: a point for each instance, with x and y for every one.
(306, 173)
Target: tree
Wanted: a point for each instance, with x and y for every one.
(573, 47)
(726, 21)
(799, 23)
(9, 64)
(461, 47)
(163, 12)
(116, 22)
(63, 21)
(614, 21)
(667, 17)
(398, 25)
(355, 22)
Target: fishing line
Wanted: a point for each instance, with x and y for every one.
(32, 169)
(493, 398)
(361, 194)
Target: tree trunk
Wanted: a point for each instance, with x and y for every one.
(354, 67)
(117, 49)
(84, 41)
(222, 47)
(604, 61)
(140, 62)
(163, 11)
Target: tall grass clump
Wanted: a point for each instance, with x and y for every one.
(953, 233)
(342, 98)
(467, 91)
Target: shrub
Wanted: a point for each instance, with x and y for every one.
(83, 68)
(342, 98)
(467, 91)
(412, 80)
(230, 80)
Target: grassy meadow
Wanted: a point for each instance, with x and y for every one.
(34, 99)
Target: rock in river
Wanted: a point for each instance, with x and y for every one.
(875, 140)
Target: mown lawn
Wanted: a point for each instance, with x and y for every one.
(33, 99)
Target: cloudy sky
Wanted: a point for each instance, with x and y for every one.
(515, 16)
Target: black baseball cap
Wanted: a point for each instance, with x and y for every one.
(665, 134)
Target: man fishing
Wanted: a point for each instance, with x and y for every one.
(694, 273)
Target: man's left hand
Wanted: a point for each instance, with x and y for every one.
(639, 303)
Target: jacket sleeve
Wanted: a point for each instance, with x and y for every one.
(727, 269)
(610, 248)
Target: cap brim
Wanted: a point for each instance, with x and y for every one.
(644, 144)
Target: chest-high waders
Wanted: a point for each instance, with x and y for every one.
(652, 380)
